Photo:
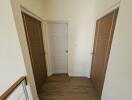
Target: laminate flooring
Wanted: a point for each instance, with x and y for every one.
(63, 87)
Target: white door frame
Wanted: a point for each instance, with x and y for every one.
(110, 9)
(58, 22)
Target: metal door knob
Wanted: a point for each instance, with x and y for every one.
(66, 51)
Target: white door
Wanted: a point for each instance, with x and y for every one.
(58, 41)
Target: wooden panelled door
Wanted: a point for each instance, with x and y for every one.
(34, 37)
(102, 44)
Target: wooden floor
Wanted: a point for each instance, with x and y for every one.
(62, 87)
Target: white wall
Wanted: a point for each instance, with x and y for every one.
(80, 17)
(118, 83)
(11, 61)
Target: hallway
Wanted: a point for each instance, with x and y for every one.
(62, 87)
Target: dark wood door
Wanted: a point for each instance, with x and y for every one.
(102, 45)
(34, 37)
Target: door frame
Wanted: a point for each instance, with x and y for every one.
(59, 22)
(45, 45)
(109, 10)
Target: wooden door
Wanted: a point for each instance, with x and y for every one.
(103, 39)
(58, 40)
(34, 37)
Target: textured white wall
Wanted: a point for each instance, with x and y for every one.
(80, 17)
(118, 83)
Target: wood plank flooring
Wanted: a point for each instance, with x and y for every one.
(62, 87)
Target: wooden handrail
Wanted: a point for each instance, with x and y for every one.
(12, 88)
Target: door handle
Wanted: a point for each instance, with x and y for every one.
(92, 53)
(66, 51)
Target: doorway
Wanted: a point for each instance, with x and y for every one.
(103, 39)
(58, 42)
(34, 38)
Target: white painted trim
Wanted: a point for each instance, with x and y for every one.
(46, 48)
(31, 14)
(110, 9)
